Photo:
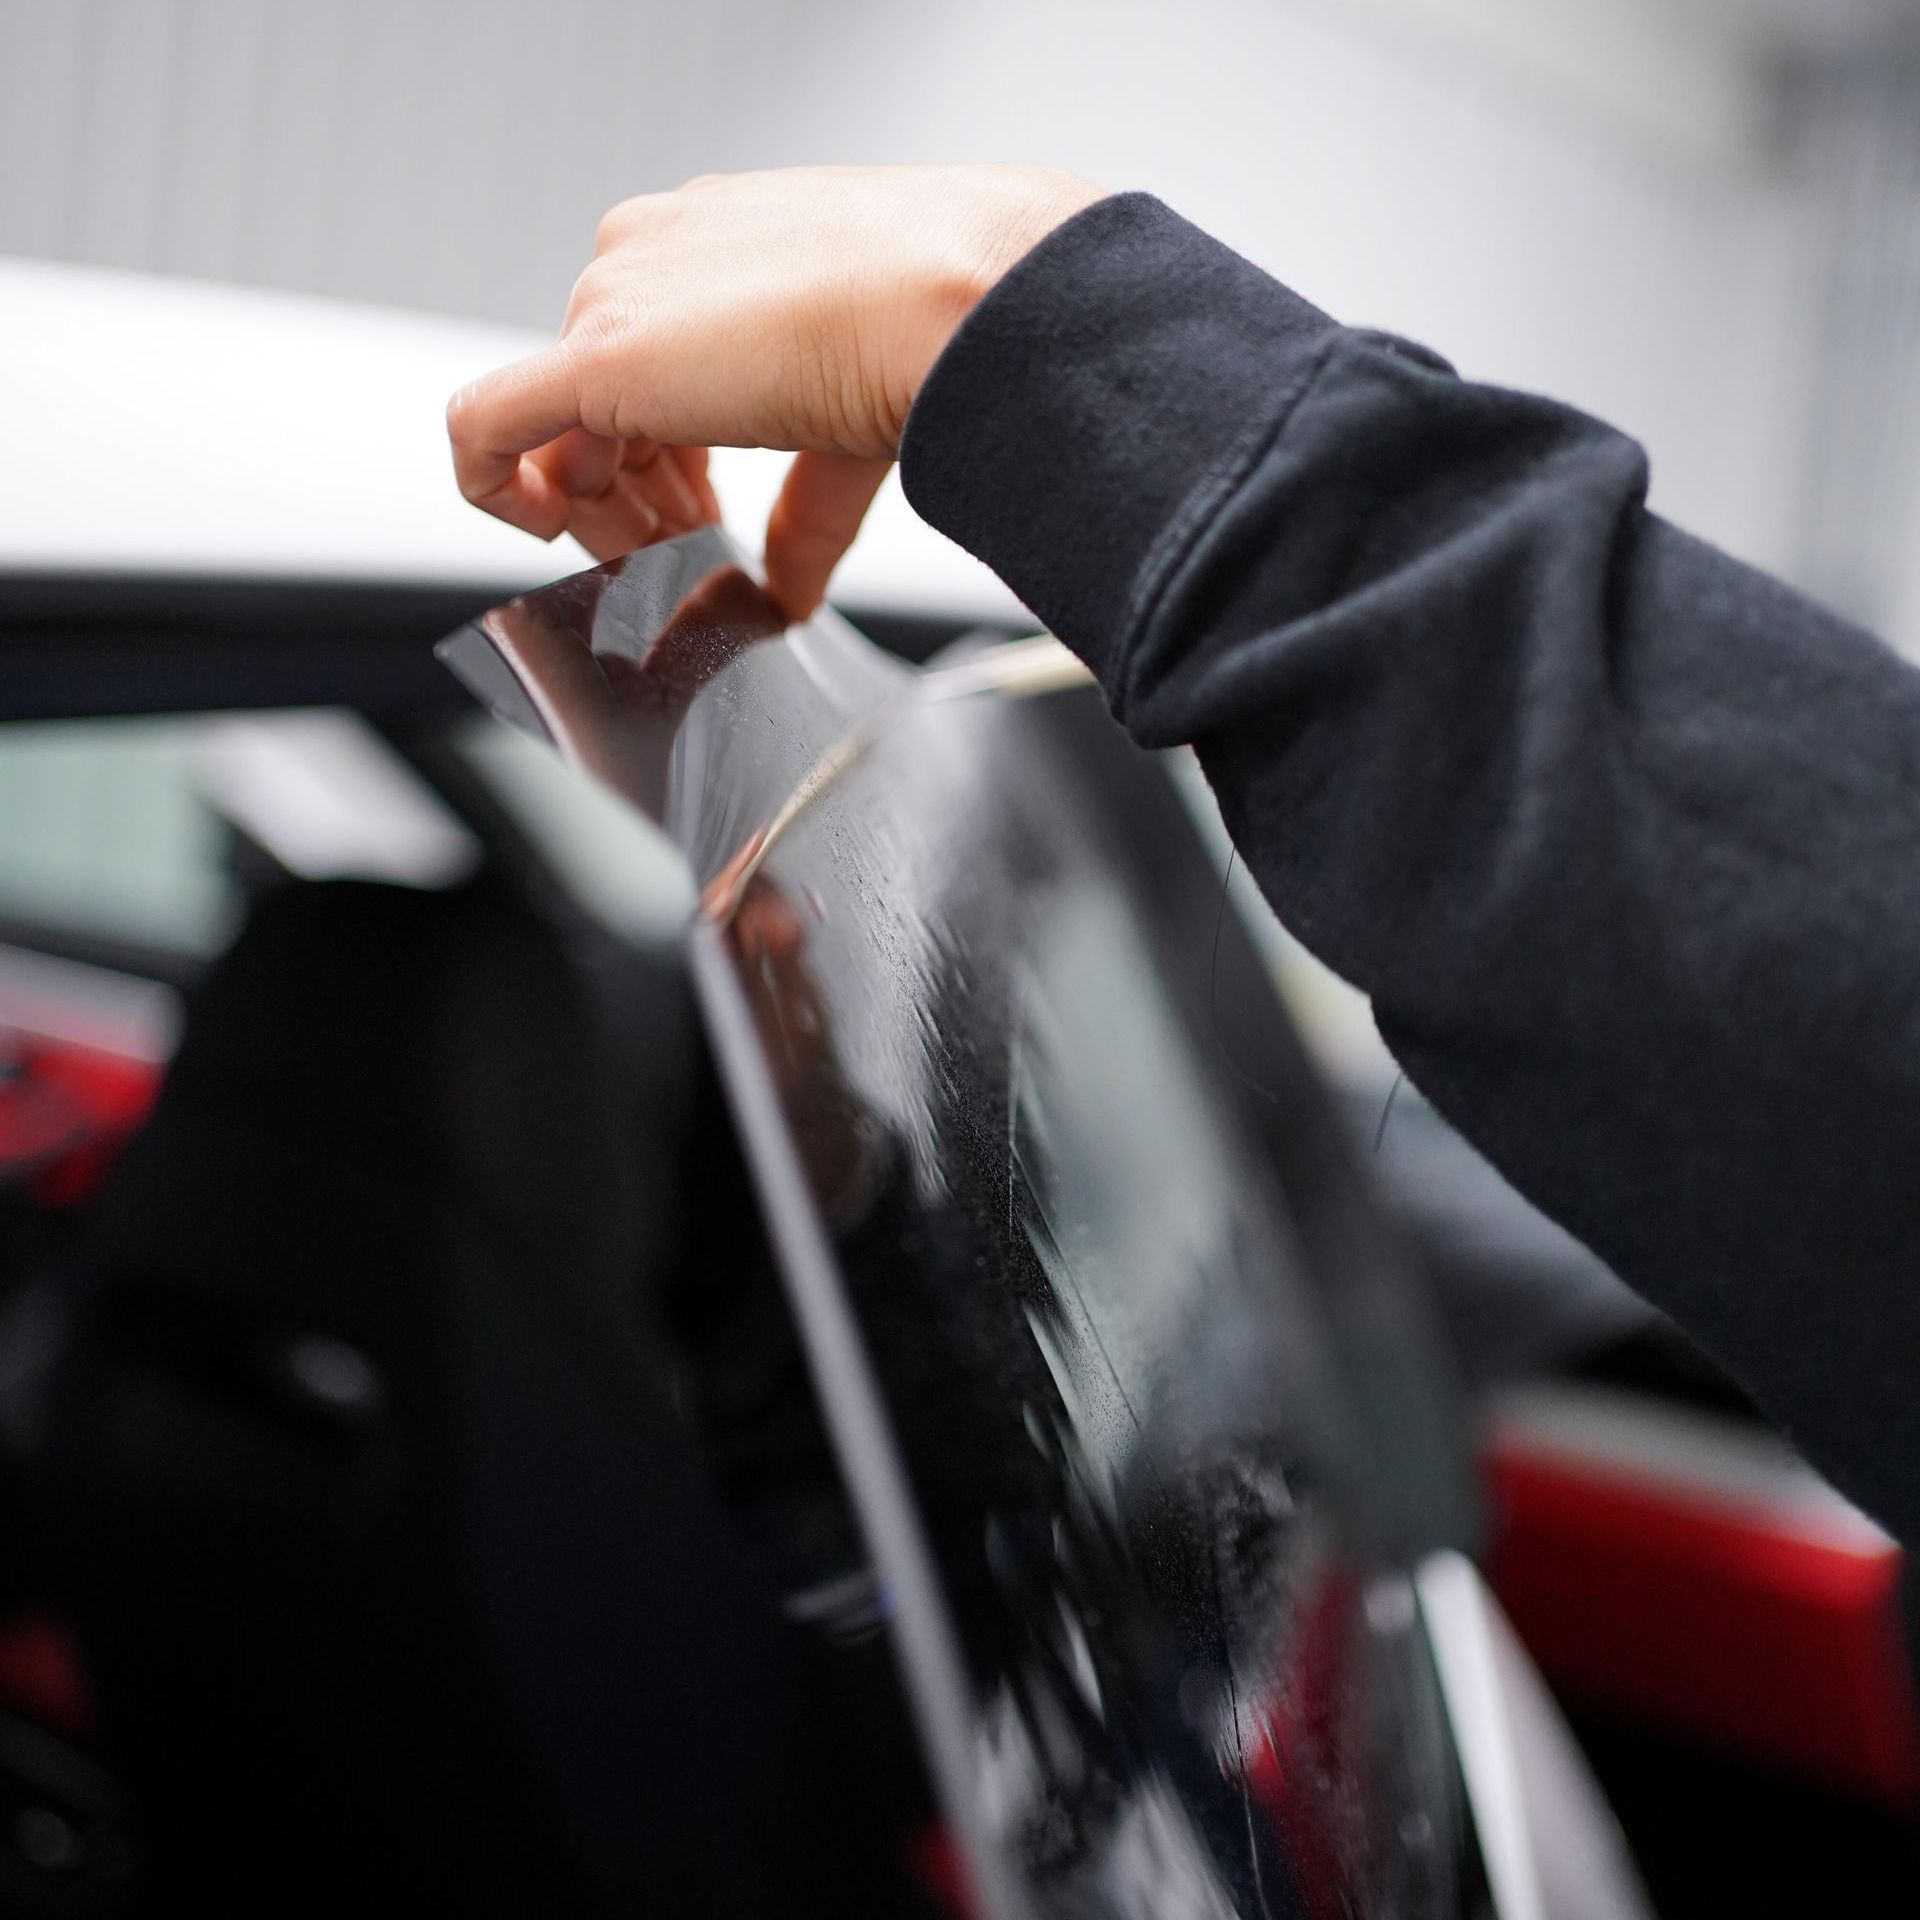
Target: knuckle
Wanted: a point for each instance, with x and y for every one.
(618, 220)
(593, 306)
(592, 361)
(604, 319)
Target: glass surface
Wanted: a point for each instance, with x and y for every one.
(122, 829)
(619, 867)
(107, 833)
(1057, 1302)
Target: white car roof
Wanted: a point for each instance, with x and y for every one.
(173, 426)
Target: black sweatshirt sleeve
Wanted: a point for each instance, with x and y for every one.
(1622, 837)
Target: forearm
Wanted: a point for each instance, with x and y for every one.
(1622, 838)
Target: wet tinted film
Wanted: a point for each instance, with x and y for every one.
(1096, 1321)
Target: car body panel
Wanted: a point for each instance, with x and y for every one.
(279, 436)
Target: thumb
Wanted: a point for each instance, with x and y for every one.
(822, 501)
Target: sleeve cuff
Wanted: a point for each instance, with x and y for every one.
(1094, 411)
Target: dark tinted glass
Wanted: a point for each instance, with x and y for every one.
(1069, 1250)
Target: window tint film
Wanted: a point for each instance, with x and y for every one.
(1069, 1325)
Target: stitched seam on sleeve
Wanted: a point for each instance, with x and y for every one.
(1176, 540)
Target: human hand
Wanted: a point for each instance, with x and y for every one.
(798, 309)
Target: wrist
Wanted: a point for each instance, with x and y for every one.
(991, 236)
(1033, 201)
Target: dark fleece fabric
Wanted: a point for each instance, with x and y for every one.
(1621, 836)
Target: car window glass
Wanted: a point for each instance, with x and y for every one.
(123, 830)
(618, 866)
(107, 834)
(1057, 1303)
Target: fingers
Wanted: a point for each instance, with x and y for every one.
(823, 500)
(663, 480)
(585, 471)
(622, 494)
(582, 465)
(614, 522)
(522, 452)
(692, 462)
(500, 418)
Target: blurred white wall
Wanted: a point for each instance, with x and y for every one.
(1575, 197)
(1857, 129)
(1541, 227)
